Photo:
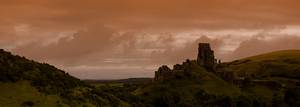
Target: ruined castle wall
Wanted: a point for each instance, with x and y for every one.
(206, 55)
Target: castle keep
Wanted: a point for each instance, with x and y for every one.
(206, 56)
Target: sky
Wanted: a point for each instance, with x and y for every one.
(113, 39)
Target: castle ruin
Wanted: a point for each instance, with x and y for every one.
(206, 56)
(205, 59)
(162, 73)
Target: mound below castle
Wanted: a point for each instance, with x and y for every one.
(268, 80)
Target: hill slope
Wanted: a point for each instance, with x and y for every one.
(265, 80)
(283, 66)
(186, 87)
(28, 83)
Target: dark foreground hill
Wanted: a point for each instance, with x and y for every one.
(28, 83)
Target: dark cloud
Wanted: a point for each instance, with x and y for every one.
(100, 37)
(158, 14)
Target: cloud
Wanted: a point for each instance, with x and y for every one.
(256, 46)
(69, 44)
(144, 14)
(188, 50)
(141, 34)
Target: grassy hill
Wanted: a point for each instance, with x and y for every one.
(192, 85)
(23, 94)
(283, 66)
(266, 80)
(26, 83)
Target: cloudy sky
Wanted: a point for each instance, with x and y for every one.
(112, 39)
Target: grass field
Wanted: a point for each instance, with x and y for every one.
(285, 64)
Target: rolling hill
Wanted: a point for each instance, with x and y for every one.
(282, 64)
(192, 85)
(272, 76)
(26, 83)
(267, 80)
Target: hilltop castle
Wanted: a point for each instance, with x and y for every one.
(205, 58)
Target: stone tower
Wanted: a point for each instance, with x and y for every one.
(206, 56)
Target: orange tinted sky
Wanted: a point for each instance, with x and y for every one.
(108, 39)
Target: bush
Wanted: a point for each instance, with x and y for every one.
(27, 104)
(292, 97)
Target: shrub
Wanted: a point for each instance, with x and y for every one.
(27, 104)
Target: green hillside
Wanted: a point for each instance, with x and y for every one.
(265, 80)
(283, 66)
(23, 94)
(28, 83)
(192, 85)
(273, 76)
